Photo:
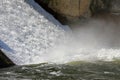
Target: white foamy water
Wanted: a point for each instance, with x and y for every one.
(26, 34)
(96, 40)
(90, 55)
(29, 35)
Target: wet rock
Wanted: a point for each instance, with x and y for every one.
(70, 8)
(77, 8)
(68, 11)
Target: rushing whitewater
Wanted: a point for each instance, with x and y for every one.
(29, 35)
(26, 33)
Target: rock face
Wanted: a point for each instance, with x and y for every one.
(115, 6)
(71, 8)
(83, 8)
(100, 6)
(4, 60)
(110, 6)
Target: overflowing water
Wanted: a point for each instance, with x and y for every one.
(27, 31)
(29, 35)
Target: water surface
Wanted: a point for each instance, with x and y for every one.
(71, 71)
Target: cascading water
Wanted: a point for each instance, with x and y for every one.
(30, 36)
(26, 34)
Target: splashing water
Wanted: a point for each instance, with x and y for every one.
(34, 36)
(26, 31)
(95, 40)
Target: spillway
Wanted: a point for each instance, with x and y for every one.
(27, 31)
(30, 35)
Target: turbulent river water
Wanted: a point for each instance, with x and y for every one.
(70, 71)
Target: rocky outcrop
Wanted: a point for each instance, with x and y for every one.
(70, 8)
(78, 8)
(115, 6)
(110, 6)
(5, 61)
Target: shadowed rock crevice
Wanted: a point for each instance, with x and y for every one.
(100, 6)
(5, 61)
(44, 4)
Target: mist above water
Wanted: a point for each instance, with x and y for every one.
(95, 40)
(98, 34)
